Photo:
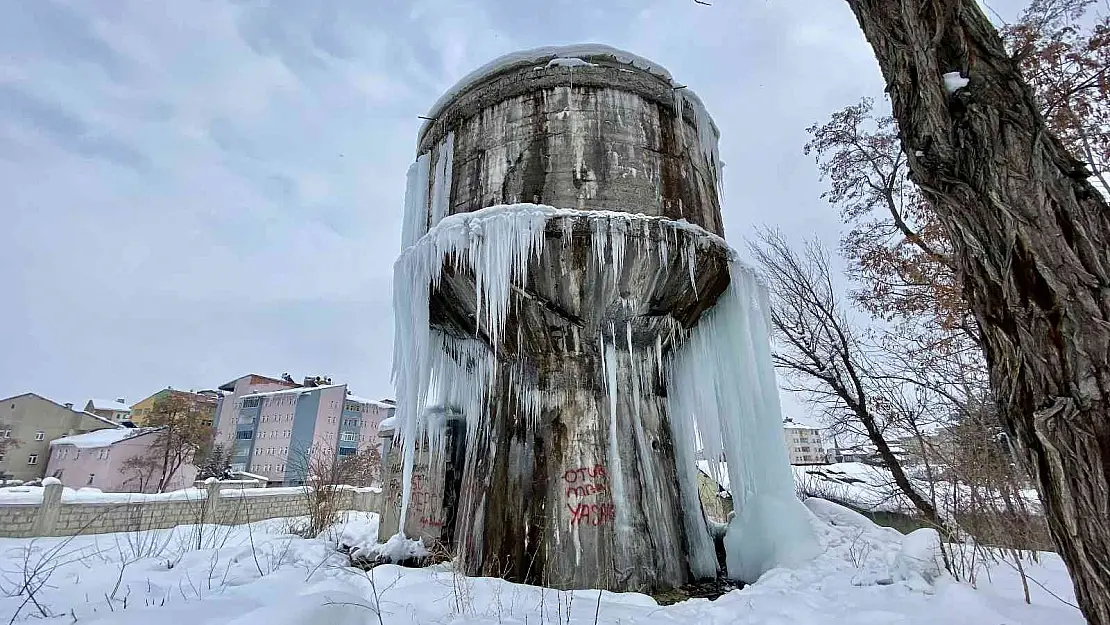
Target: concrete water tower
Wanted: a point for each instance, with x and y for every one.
(562, 239)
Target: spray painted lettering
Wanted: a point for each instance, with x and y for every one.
(589, 482)
(581, 474)
(591, 513)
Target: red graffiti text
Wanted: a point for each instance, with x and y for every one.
(591, 513)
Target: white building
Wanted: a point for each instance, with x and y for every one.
(803, 443)
(116, 411)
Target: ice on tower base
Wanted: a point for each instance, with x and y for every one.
(591, 343)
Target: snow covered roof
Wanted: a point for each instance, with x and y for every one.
(373, 402)
(230, 384)
(109, 404)
(548, 56)
(102, 438)
(799, 426)
(296, 391)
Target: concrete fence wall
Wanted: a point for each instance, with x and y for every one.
(122, 513)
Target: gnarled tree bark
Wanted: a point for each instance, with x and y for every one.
(1032, 243)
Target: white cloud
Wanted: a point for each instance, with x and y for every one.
(195, 190)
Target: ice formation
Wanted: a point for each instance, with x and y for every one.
(721, 390)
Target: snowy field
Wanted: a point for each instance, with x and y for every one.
(259, 574)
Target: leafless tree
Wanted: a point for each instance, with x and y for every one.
(820, 351)
(182, 433)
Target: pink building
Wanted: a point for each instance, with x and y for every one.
(271, 432)
(99, 460)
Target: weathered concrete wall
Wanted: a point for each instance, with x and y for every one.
(599, 137)
(425, 516)
(55, 517)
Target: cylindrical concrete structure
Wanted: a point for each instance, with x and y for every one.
(570, 475)
(604, 134)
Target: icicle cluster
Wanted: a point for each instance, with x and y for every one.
(722, 395)
(721, 389)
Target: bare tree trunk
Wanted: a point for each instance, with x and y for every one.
(1031, 236)
(900, 478)
(167, 441)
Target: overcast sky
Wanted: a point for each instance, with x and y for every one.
(195, 190)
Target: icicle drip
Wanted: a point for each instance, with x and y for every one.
(610, 363)
(461, 370)
(690, 254)
(441, 183)
(707, 140)
(568, 232)
(600, 239)
(702, 554)
(727, 359)
(646, 464)
(416, 202)
(618, 228)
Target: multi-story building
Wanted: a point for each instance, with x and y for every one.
(115, 411)
(273, 431)
(803, 443)
(28, 423)
(105, 459)
(204, 401)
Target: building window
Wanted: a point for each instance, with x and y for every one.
(102, 454)
(33, 459)
(40, 436)
(348, 437)
(1, 456)
(6, 434)
(244, 435)
(92, 476)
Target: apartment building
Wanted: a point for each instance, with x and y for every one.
(116, 410)
(803, 443)
(103, 459)
(28, 423)
(204, 401)
(271, 431)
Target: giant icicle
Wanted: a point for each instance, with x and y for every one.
(728, 356)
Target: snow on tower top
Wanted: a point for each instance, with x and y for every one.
(576, 55)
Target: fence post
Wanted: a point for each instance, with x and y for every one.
(211, 502)
(46, 518)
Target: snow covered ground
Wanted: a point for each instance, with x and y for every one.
(260, 575)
